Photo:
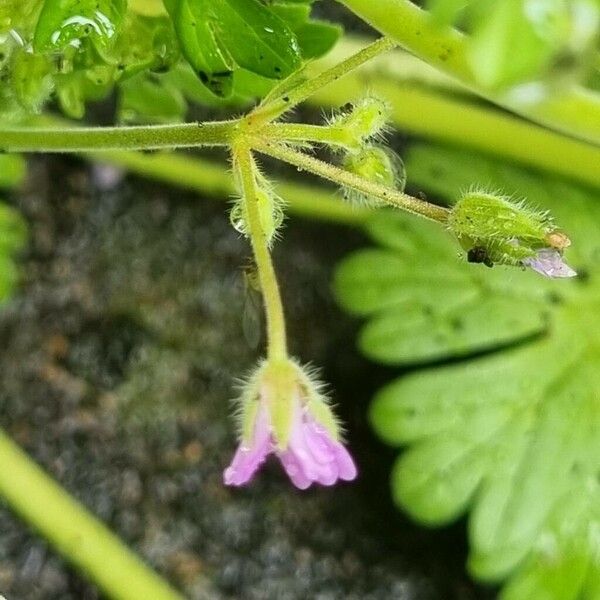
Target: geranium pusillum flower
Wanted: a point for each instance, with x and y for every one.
(549, 262)
(283, 413)
(496, 230)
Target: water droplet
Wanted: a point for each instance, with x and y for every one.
(269, 30)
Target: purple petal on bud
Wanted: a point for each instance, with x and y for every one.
(550, 263)
(248, 458)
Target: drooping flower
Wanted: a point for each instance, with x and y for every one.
(494, 229)
(284, 413)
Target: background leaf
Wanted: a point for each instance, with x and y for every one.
(67, 22)
(513, 435)
(13, 230)
(218, 35)
(79, 51)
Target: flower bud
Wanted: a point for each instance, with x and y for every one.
(377, 164)
(495, 230)
(363, 121)
(283, 412)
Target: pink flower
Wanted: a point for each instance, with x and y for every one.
(309, 450)
(549, 262)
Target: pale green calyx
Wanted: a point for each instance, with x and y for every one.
(497, 230)
(282, 388)
(364, 120)
(377, 164)
(270, 211)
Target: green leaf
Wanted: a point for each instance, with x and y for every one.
(12, 170)
(144, 43)
(31, 80)
(67, 22)
(13, 235)
(513, 435)
(317, 38)
(516, 41)
(446, 12)
(257, 39)
(150, 100)
(218, 35)
(19, 15)
(200, 46)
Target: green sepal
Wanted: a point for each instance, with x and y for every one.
(281, 393)
(508, 231)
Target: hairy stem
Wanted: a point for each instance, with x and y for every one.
(573, 110)
(385, 194)
(74, 532)
(274, 108)
(276, 336)
(150, 137)
(299, 132)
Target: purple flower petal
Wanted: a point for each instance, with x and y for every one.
(248, 458)
(313, 455)
(549, 262)
(294, 469)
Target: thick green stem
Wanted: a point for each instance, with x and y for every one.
(574, 110)
(276, 336)
(150, 137)
(74, 532)
(287, 100)
(332, 173)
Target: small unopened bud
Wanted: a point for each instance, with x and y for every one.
(283, 412)
(495, 230)
(270, 210)
(365, 120)
(377, 164)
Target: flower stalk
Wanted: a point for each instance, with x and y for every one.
(383, 193)
(245, 169)
(273, 107)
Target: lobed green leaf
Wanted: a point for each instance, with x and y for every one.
(513, 435)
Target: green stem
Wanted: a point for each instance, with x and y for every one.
(299, 132)
(76, 534)
(574, 110)
(276, 336)
(274, 108)
(341, 177)
(81, 139)
(206, 177)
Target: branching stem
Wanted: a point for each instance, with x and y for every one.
(385, 194)
(272, 109)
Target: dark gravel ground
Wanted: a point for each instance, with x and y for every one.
(117, 366)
